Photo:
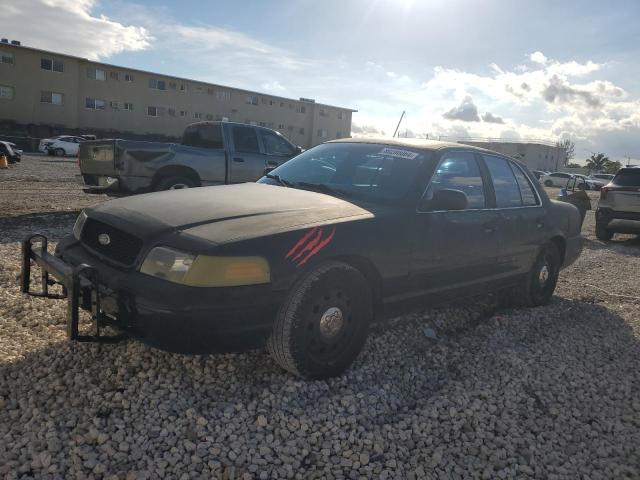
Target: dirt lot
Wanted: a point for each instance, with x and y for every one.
(549, 392)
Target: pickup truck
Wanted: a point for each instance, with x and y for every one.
(211, 153)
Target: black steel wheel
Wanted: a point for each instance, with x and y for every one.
(59, 152)
(175, 183)
(540, 283)
(322, 326)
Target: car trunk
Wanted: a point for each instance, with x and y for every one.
(98, 158)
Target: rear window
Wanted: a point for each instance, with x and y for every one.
(627, 178)
(203, 136)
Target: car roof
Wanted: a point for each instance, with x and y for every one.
(413, 143)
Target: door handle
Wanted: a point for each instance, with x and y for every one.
(238, 159)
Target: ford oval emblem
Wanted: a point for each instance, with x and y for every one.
(104, 239)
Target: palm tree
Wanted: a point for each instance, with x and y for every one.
(597, 161)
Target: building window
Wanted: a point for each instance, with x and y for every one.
(51, 65)
(301, 109)
(281, 126)
(6, 92)
(152, 111)
(301, 130)
(183, 113)
(340, 115)
(210, 90)
(182, 87)
(96, 74)
(223, 96)
(322, 133)
(251, 100)
(263, 124)
(323, 113)
(128, 77)
(113, 75)
(209, 117)
(197, 115)
(157, 84)
(270, 102)
(282, 104)
(94, 103)
(51, 97)
(114, 104)
(172, 85)
(171, 112)
(128, 106)
(6, 57)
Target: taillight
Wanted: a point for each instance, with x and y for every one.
(603, 192)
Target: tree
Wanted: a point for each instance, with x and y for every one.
(612, 167)
(597, 161)
(569, 148)
(573, 165)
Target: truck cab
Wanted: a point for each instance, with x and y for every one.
(210, 153)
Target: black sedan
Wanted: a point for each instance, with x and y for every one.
(305, 258)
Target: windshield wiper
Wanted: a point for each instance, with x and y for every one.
(322, 188)
(281, 181)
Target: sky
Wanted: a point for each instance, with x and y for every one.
(459, 68)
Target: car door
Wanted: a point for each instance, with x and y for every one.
(247, 162)
(459, 247)
(522, 215)
(276, 148)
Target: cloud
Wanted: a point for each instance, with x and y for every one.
(366, 131)
(68, 26)
(538, 57)
(559, 91)
(491, 118)
(466, 111)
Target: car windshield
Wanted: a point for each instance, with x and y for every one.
(627, 178)
(359, 171)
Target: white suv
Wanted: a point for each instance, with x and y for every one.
(619, 206)
(61, 146)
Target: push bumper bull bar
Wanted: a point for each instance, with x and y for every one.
(80, 286)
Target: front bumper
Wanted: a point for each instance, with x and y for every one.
(165, 315)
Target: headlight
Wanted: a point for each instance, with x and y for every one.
(203, 270)
(77, 227)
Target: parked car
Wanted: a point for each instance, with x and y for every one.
(211, 153)
(11, 151)
(61, 145)
(539, 173)
(305, 258)
(619, 206)
(555, 179)
(599, 180)
(587, 183)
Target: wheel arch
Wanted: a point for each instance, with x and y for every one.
(368, 270)
(175, 171)
(560, 242)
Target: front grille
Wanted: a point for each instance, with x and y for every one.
(122, 246)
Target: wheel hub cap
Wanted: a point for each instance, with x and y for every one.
(331, 322)
(543, 275)
(178, 186)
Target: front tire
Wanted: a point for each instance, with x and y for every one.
(323, 324)
(548, 183)
(538, 286)
(59, 152)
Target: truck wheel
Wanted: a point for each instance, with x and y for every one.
(540, 283)
(59, 152)
(548, 183)
(603, 233)
(323, 324)
(175, 183)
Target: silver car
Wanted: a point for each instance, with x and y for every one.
(619, 206)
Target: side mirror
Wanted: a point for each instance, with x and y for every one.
(449, 199)
(298, 150)
(269, 169)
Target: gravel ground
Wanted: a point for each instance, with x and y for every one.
(548, 392)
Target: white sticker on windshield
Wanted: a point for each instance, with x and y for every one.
(396, 152)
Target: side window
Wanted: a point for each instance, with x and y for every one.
(458, 171)
(245, 140)
(504, 182)
(203, 136)
(526, 189)
(274, 144)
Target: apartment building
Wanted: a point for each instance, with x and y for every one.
(39, 87)
(536, 155)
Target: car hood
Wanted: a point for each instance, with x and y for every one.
(226, 213)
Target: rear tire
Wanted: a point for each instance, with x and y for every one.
(175, 183)
(323, 324)
(603, 233)
(548, 183)
(538, 286)
(59, 152)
